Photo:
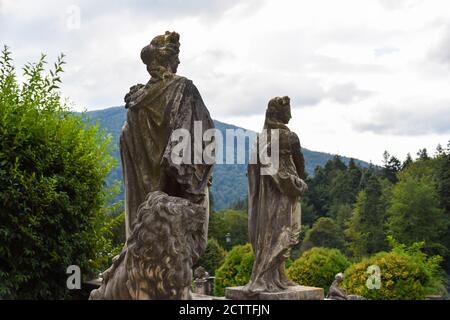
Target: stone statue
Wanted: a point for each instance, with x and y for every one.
(200, 273)
(337, 293)
(158, 256)
(274, 208)
(166, 201)
(166, 103)
(202, 282)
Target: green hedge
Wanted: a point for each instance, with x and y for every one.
(405, 273)
(236, 270)
(52, 171)
(213, 257)
(317, 267)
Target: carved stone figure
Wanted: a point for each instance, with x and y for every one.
(166, 103)
(337, 293)
(274, 208)
(201, 273)
(203, 282)
(166, 200)
(158, 256)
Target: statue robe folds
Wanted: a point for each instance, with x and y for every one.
(274, 212)
(155, 111)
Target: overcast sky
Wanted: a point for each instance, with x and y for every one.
(363, 76)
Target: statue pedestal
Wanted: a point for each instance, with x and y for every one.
(292, 293)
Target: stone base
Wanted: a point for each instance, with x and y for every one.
(197, 296)
(292, 293)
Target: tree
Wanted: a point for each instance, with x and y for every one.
(443, 176)
(333, 185)
(443, 188)
(365, 230)
(52, 194)
(439, 150)
(407, 161)
(324, 233)
(342, 214)
(236, 269)
(318, 267)
(342, 188)
(415, 213)
(391, 167)
(423, 154)
(232, 222)
(213, 257)
(308, 214)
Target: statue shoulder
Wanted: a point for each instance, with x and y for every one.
(133, 95)
(294, 140)
(181, 79)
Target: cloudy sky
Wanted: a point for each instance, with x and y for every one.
(363, 76)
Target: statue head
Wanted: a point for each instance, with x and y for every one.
(279, 109)
(339, 277)
(161, 55)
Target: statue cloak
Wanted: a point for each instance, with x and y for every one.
(155, 111)
(274, 212)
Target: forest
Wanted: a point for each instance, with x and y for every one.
(57, 208)
(365, 212)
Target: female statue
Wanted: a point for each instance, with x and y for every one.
(274, 208)
(166, 103)
(166, 201)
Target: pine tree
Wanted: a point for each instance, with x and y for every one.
(415, 213)
(366, 227)
(423, 154)
(324, 233)
(407, 161)
(391, 167)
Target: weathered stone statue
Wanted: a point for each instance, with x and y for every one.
(337, 293)
(276, 186)
(166, 200)
(157, 259)
(202, 282)
(166, 103)
(274, 208)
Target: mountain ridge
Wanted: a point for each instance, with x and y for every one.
(229, 180)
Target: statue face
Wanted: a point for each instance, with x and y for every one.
(175, 61)
(286, 115)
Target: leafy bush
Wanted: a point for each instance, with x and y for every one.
(213, 257)
(236, 270)
(406, 274)
(317, 267)
(229, 221)
(52, 171)
(324, 233)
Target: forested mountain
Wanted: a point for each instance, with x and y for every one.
(229, 181)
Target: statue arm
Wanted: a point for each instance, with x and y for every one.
(297, 155)
(134, 96)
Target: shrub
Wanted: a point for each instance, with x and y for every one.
(324, 233)
(213, 257)
(236, 269)
(406, 274)
(52, 171)
(317, 267)
(229, 221)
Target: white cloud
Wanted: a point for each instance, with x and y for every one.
(412, 118)
(345, 64)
